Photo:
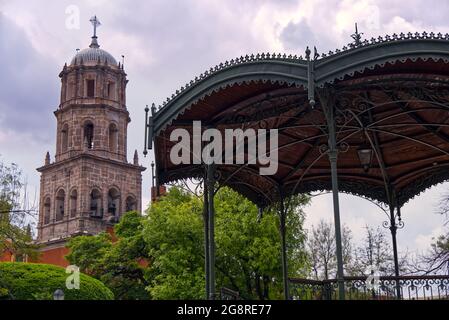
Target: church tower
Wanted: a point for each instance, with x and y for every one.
(90, 183)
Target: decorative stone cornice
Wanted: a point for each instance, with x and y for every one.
(87, 155)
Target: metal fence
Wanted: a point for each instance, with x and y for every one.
(228, 294)
(381, 288)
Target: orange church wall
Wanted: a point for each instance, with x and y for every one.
(54, 256)
(6, 256)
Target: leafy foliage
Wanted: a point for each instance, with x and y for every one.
(161, 255)
(248, 252)
(26, 281)
(120, 264)
(15, 228)
(173, 233)
(87, 252)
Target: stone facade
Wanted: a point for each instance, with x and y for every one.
(91, 183)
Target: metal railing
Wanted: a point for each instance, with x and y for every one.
(381, 288)
(228, 294)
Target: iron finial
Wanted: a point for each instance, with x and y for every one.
(136, 158)
(315, 53)
(47, 158)
(308, 53)
(153, 109)
(357, 36)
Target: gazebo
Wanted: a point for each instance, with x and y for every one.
(370, 120)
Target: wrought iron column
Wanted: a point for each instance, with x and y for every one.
(211, 218)
(340, 272)
(206, 237)
(329, 107)
(282, 229)
(393, 229)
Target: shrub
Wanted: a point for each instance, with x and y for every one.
(28, 281)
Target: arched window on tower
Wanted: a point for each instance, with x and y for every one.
(96, 207)
(64, 138)
(73, 203)
(131, 204)
(113, 138)
(47, 210)
(88, 136)
(113, 202)
(60, 203)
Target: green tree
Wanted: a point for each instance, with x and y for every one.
(248, 253)
(173, 233)
(15, 218)
(170, 241)
(119, 264)
(88, 253)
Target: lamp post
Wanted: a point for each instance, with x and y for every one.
(58, 295)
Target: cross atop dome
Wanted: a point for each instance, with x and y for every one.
(96, 23)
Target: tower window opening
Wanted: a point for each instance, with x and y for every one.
(113, 202)
(89, 135)
(90, 88)
(96, 208)
(131, 204)
(60, 204)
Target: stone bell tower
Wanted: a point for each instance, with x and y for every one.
(90, 184)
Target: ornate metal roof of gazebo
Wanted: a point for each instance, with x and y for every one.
(391, 95)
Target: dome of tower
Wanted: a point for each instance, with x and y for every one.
(93, 55)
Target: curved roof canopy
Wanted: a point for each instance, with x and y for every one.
(389, 95)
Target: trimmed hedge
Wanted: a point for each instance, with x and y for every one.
(30, 281)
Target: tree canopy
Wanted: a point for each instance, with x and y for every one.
(15, 219)
(161, 254)
(117, 264)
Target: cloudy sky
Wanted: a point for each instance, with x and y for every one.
(166, 44)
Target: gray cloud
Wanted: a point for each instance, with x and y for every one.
(28, 89)
(297, 36)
